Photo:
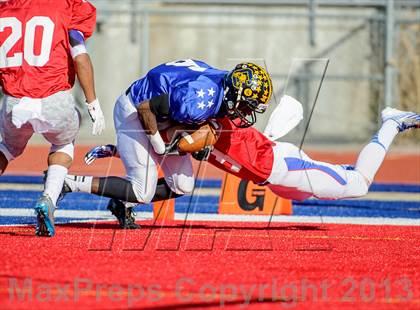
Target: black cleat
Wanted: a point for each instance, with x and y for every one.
(124, 215)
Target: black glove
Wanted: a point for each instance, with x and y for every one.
(204, 154)
(172, 148)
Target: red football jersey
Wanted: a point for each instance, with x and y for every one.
(35, 58)
(245, 152)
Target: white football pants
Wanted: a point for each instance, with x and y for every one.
(140, 160)
(296, 176)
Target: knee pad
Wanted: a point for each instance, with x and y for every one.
(6, 152)
(182, 185)
(144, 194)
(66, 149)
(358, 185)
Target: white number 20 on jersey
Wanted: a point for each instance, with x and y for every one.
(28, 53)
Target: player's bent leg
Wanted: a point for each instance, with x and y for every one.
(135, 150)
(59, 111)
(164, 192)
(179, 174)
(300, 177)
(124, 212)
(111, 187)
(137, 156)
(59, 160)
(289, 192)
(373, 154)
(126, 190)
(357, 185)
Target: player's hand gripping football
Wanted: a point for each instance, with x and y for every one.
(97, 117)
(172, 147)
(204, 154)
(101, 151)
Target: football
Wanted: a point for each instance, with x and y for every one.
(193, 140)
(204, 136)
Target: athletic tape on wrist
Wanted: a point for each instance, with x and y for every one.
(157, 143)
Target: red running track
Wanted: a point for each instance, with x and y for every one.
(230, 264)
(397, 167)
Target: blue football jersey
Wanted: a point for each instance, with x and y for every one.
(195, 90)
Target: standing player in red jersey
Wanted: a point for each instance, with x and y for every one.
(41, 50)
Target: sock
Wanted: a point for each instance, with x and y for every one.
(373, 154)
(54, 181)
(79, 183)
(117, 188)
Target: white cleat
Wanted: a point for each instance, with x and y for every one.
(404, 119)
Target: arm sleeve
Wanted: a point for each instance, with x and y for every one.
(83, 18)
(160, 105)
(77, 43)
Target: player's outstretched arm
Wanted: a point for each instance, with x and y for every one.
(84, 70)
(85, 75)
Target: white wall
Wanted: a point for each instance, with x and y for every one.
(344, 109)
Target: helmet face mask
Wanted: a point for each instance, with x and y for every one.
(247, 92)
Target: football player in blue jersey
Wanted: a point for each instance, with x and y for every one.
(188, 92)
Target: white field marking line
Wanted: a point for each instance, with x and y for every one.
(204, 191)
(76, 214)
(23, 187)
(383, 196)
(80, 214)
(299, 219)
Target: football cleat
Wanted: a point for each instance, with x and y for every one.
(125, 215)
(44, 211)
(404, 119)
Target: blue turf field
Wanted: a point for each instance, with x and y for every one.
(16, 205)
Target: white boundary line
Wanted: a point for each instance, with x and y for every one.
(105, 215)
(300, 219)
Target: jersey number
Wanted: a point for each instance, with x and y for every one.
(28, 43)
(191, 64)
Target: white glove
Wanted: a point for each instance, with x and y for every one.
(286, 116)
(97, 117)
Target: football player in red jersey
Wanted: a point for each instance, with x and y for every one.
(283, 167)
(41, 51)
(290, 173)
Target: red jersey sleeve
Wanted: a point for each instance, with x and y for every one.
(34, 37)
(245, 152)
(83, 17)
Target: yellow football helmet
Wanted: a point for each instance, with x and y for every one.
(247, 90)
